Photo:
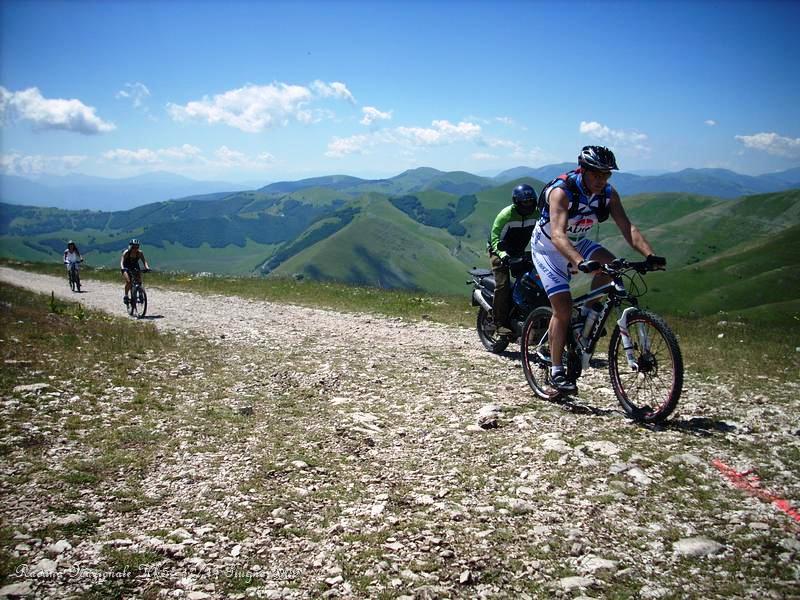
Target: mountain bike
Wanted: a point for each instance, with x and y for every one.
(644, 358)
(74, 276)
(137, 303)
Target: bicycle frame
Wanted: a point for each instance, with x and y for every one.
(616, 295)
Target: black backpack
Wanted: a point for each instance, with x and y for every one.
(571, 187)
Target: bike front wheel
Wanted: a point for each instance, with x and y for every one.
(650, 391)
(71, 277)
(139, 302)
(535, 352)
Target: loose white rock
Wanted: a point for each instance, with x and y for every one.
(696, 546)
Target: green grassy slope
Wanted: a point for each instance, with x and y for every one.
(691, 229)
(761, 279)
(384, 247)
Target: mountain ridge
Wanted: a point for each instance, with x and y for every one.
(79, 192)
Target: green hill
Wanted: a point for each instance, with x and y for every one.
(385, 248)
(758, 278)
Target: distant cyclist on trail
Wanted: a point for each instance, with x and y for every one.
(510, 236)
(572, 204)
(72, 255)
(130, 262)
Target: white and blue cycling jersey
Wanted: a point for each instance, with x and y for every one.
(584, 213)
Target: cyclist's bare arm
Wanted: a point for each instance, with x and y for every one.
(629, 231)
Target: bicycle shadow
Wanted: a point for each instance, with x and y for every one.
(579, 407)
(150, 317)
(698, 426)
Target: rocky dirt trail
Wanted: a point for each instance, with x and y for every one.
(311, 453)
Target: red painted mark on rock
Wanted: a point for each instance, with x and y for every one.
(750, 482)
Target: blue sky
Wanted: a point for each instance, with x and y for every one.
(265, 91)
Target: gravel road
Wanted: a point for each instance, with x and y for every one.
(359, 470)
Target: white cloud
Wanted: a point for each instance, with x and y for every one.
(309, 117)
(233, 158)
(145, 156)
(356, 144)
(335, 89)
(533, 156)
(441, 132)
(179, 158)
(606, 134)
(772, 143)
(136, 92)
(251, 108)
(68, 115)
(506, 121)
(501, 143)
(710, 122)
(19, 164)
(629, 140)
(483, 156)
(372, 114)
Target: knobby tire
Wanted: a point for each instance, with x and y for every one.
(142, 302)
(651, 394)
(534, 349)
(486, 332)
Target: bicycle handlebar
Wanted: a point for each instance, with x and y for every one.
(619, 265)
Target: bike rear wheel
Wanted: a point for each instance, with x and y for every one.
(487, 332)
(535, 352)
(650, 393)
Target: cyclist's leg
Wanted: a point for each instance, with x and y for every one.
(502, 292)
(127, 278)
(554, 273)
(559, 325)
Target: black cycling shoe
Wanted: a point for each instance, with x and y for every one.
(562, 384)
(125, 300)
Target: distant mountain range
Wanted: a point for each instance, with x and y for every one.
(77, 192)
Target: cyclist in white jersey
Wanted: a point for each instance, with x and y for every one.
(72, 255)
(560, 246)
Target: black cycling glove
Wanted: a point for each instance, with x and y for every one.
(587, 266)
(656, 263)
